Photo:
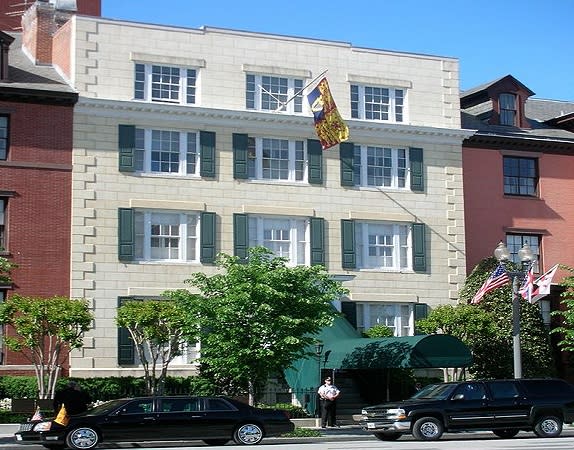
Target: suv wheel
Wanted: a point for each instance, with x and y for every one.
(428, 429)
(505, 433)
(388, 436)
(548, 426)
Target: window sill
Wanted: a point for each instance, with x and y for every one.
(166, 175)
(522, 197)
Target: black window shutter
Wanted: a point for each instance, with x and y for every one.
(421, 311)
(417, 169)
(315, 155)
(348, 244)
(126, 346)
(126, 233)
(317, 241)
(207, 153)
(346, 156)
(240, 166)
(207, 244)
(241, 236)
(419, 247)
(349, 310)
(126, 147)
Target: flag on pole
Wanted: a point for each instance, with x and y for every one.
(543, 284)
(497, 278)
(62, 418)
(329, 125)
(528, 286)
(38, 415)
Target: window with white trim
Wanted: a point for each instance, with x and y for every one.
(378, 103)
(383, 245)
(397, 316)
(166, 236)
(276, 159)
(381, 167)
(514, 242)
(286, 237)
(507, 104)
(271, 93)
(155, 83)
(167, 151)
(520, 176)
(3, 202)
(4, 133)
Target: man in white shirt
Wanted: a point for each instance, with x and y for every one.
(328, 394)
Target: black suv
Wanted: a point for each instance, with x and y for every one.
(503, 406)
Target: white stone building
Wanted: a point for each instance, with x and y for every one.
(180, 153)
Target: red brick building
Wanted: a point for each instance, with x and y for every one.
(518, 174)
(36, 125)
(11, 10)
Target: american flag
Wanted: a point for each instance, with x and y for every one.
(497, 279)
(38, 414)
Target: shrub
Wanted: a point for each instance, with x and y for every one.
(293, 411)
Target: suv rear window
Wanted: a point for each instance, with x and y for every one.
(503, 389)
(544, 388)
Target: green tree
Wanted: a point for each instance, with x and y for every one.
(258, 317)
(6, 267)
(46, 330)
(159, 329)
(379, 331)
(566, 314)
(486, 329)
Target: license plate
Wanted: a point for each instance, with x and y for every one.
(18, 437)
(370, 425)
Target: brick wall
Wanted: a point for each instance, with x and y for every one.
(38, 172)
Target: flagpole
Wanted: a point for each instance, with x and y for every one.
(301, 90)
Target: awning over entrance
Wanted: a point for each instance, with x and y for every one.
(345, 349)
(424, 351)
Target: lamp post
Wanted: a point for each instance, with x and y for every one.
(318, 351)
(525, 256)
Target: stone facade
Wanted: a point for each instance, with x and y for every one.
(102, 70)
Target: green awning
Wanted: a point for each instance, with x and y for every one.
(423, 351)
(345, 349)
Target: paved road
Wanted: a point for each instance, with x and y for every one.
(352, 438)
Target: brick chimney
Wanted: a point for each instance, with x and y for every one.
(39, 25)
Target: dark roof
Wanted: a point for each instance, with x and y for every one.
(550, 122)
(32, 82)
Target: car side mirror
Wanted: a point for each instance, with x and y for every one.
(458, 397)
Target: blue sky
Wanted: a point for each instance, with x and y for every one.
(531, 40)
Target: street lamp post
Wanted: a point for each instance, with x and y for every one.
(318, 351)
(525, 256)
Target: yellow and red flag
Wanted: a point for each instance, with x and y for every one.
(329, 125)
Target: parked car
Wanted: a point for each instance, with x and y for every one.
(503, 406)
(214, 420)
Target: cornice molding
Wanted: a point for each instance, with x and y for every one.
(262, 122)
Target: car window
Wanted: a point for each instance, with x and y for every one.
(218, 404)
(180, 404)
(138, 407)
(545, 388)
(503, 389)
(471, 391)
(435, 391)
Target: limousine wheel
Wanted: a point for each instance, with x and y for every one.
(548, 426)
(428, 429)
(505, 433)
(82, 438)
(248, 434)
(217, 442)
